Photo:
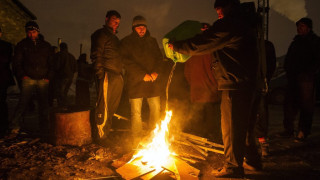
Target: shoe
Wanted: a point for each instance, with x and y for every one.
(252, 167)
(300, 137)
(264, 147)
(285, 134)
(229, 172)
(13, 133)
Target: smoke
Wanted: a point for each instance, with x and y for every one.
(155, 12)
(292, 9)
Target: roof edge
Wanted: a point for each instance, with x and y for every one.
(26, 10)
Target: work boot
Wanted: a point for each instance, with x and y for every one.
(252, 167)
(300, 137)
(229, 172)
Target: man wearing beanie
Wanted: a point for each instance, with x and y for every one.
(32, 64)
(142, 58)
(233, 44)
(107, 63)
(301, 64)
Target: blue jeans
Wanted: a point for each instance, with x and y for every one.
(29, 87)
(136, 121)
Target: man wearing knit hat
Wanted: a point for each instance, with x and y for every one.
(301, 64)
(32, 63)
(233, 44)
(142, 58)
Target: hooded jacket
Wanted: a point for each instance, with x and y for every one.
(66, 65)
(33, 59)
(105, 51)
(141, 56)
(233, 43)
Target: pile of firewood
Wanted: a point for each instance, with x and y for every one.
(188, 149)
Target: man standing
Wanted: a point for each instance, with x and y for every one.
(301, 64)
(5, 81)
(32, 60)
(204, 116)
(105, 54)
(67, 67)
(142, 59)
(233, 44)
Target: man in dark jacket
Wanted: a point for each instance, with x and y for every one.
(105, 54)
(67, 67)
(301, 64)
(5, 81)
(142, 59)
(32, 65)
(84, 79)
(233, 43)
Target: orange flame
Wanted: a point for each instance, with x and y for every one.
(157, 151)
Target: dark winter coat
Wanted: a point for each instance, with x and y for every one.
(141, 56)
(33, 59)
(105, 52)
(66, 65)
(303, 56)
(5, 60)
(234, 46)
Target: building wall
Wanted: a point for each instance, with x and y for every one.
(12, 21)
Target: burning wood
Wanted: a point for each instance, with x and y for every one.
(158, 157)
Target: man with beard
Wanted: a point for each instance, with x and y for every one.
(142, 59)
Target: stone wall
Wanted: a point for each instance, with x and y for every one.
(12, 21)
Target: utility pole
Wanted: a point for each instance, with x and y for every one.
(81, 48)
(59, 42)
(263, 10)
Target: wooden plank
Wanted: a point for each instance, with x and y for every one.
(171, 166)
(202, 147)
(200, 140)
(186, 171)
(205, 154)
(151, 174)
(134, 169)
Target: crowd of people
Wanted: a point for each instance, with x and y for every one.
(225, 75)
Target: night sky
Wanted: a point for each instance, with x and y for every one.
(75, 21)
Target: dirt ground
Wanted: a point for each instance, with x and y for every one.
(31, 156)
